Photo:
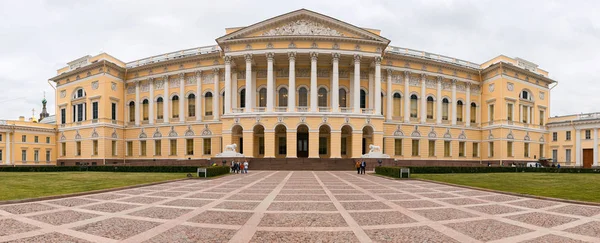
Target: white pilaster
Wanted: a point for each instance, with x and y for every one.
(406, 96)
(217, 95)
(389, 110)
(199, 96)
(454, 102)
(468, 106)
(378, 86)
(313, 82)
(335, 91)
(249, 92)
(356, 84)
(151, 102)
(182, 97)
(423, 98)
(234, 89)
(9, 149)
(578, 161)
(137, 103)
(371, 90)
(270, 81)
(166, 99)
(438, 101)
(227, 98)
(292, 82)
(595, 147)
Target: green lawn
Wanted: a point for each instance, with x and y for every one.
(582, 187)
(21, 185)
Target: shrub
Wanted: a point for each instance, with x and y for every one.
(211, 171)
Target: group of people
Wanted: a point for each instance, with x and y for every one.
(237, 167)
(360, 166)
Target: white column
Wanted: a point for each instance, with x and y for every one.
(227, 97)
(389, 110)
(335, 90)
(378, 86)
(270, 81)
(351, 90)
(423, 98)
(438, 103)
(199, 96)
(468, 106)
(356, 85)
(521, 114)
(137, 103)
(371, 88)
(217, 95)
(313, 82)
(166, 100)
(234, 89)
(8, 148)
(406, 96)
(454, 102)
(292, 82)
(249, 92)
(151, 102)
(578, 161)
(182, 97)
(595, 147)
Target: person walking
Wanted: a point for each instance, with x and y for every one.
(357, 165)
(363, 167)
(242, 168)
(246, 166)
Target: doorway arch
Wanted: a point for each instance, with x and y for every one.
(346, 142)
(324, 141)
(237, 138)
(302, 141)
(280, 141)
(367, 138)
(259, 138)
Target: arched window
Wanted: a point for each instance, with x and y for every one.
(208, 111)
(396, 100)
(526, 95)
(159, 108)
(459, 111)
(473, 112)
(262, 97)
(302, 97)
(243, 98)
(283, 97)
(429, 107)
(131, 111)
(145, 109)
(363, 99)
(175, 106)
(414, 106)
(342, 97)
(445, 103)
(322, 102)
(79, 93)
(191, 105)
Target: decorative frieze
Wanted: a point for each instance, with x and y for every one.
(131, 88)
(190, 80)
(173, 82)
(208, 78)
(414, 81)
(145, 87)
(113, 86)
(302, 27)
(431, 84)
(344, 73)
(63, 93)
(461, 87)
(446, 85)
(323, 73)
(397, 78)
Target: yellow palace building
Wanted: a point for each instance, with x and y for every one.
(303, 89)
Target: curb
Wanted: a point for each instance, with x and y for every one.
(499, 192)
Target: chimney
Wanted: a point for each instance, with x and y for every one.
(21, 118)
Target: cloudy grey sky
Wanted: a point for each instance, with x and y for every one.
(38, 37)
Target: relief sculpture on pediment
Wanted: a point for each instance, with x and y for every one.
(302, 27)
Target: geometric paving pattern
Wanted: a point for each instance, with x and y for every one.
(306, 206)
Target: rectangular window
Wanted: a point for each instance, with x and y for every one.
(509, 112)
(415, 147)
(129, 148)
(542, 118)
(525, 114)
(173, 147)
(0, 137)
(344, 144)
(24, 155)
(78, 148)
(114, 148)
(143, 148)
(431, 148)
(491, 113)
(261, 145)
(541, 150)
(95, 147)
(447, 148)
(567, 155)
(80, 112)
(63, 149)
(322, 145)
(95, 110)
(588, 134)
(491, 149)
(567, 135)
(509, 149)
(47, 155)
(398, 146)
(475, 150)
(189, 146)
(283, 147)
(555, 136)
(36, 155)
(113, 111)
(35, 139)
(63, 116)
(24, 138)
(554, 155)
(157, 148)
(1, 155)
(47, 139)
(526, 150)
(207, 145)
(461, 149)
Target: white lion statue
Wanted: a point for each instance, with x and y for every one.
(231, 147)
(374, 149)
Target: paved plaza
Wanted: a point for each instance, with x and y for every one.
(270, 206)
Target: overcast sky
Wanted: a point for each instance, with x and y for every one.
(39, 37)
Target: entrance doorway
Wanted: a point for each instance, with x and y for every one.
(588, 158)
(302, 141)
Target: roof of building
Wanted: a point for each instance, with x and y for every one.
(49, 120)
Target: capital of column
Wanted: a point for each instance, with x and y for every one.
(166, 78)
(270, 56)
(406, 74)
(357, 58)
(227, 59)
(468, 84)
(440, 79)
(216, 71)
(335, 56)
(454, 81)
(292, 56)
(248, 58)
(377, 60)
(313, 56)
(198, 73)
(137, 83)
(181, 76)
(423, 77)
(151, 81)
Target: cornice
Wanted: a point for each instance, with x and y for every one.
(433, 63)
(101, 63)
(14, 128)
(177, 61)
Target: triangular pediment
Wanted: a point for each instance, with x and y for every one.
(303, 23)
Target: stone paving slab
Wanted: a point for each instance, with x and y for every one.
(306, 206)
